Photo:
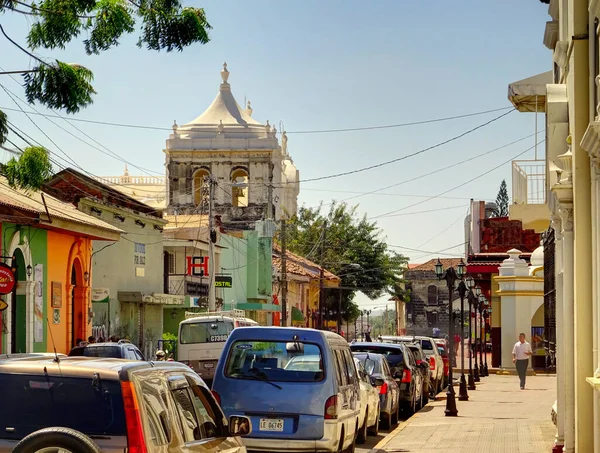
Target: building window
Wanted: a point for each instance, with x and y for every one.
(239, 188)
(171, 269)
(432, 319)
(201, 186)
(432, 295)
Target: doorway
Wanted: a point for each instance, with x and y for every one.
(76, 321)
(18, 318)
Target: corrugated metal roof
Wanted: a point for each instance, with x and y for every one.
(32, 202)
(298, 265)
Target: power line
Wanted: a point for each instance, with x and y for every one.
(398, 159)
(481, 175)
(320, 131)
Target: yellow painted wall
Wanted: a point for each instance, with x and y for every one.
(65, 250)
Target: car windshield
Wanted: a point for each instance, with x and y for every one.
(275, 361)
(374, 363)
(113, 352)
(427, 345)
(205, 332)
(394, 356)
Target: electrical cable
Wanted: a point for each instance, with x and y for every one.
(481, 175)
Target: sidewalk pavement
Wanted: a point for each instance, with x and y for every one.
(498, 418)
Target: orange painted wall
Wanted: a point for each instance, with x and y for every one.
(64, 250)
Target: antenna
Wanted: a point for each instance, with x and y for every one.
(56, 359)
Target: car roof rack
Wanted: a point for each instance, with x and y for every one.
(235, 313)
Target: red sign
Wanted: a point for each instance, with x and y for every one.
(196, 266)
(7, 279)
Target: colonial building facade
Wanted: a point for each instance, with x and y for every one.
(250, 167)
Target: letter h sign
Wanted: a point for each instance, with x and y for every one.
(197, 266)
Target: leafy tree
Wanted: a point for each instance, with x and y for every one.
(502, 200)
(339, 240)
(29, 171)
(163, 25)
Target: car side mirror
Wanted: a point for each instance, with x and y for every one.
(239, 426)
(398, 374)
(424, 365)
(378, 382)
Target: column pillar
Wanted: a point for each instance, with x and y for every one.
(568, 357)
(559, 348)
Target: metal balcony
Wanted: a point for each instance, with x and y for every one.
(529, 182)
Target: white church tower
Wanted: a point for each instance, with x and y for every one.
(242, 155)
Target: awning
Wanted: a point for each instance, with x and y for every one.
(529, 94)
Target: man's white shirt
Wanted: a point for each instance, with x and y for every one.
(520, 350)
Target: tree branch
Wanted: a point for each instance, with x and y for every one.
(44, 10)
(21, 48)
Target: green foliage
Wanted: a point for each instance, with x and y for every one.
(167, 336)
(163, 24)
(62, 86)
(502, 201)
(3, 127)
(31, 169)
(348, 240)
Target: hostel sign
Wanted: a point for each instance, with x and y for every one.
(197, 266)
(7, 279)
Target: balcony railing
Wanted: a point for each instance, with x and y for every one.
(135, 180)
(529, 181)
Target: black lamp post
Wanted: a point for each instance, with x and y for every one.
(475, 300)
(450, 275)
(463, 288)
(480, 346)
(472, 296)
(486, 314)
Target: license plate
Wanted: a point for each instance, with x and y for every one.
(271, 424)
(209, 365)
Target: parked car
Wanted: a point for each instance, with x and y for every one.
(123, 349)
(88, 405)
(378, 368)
(431, 352)
(404, 371)
(421, 361)
(444, 353)
(368, 420)
(300, 388)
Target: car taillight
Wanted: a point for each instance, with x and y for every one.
(432, 362)
(217, 396)
(331, 409)
(133, 419)
(383, 388)
(406, 376)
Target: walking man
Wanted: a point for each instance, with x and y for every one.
(521, 353)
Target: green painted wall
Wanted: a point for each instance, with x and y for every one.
(38, 244)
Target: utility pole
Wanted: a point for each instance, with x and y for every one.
(321, 278)
(212, 306)
(387, 321)
(283, 273)
(270, 192)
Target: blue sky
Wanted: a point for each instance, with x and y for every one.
(325, 65)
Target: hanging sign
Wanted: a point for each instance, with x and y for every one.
(3, 305)
(197, 266)
(223, 282)
(7, 279)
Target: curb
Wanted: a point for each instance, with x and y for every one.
(387, 439)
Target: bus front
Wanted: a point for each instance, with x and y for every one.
(201, 341)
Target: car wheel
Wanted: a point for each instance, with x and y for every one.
(425, 399)
(361, 438)
(374, 430)
(62, 439)
(395, 417)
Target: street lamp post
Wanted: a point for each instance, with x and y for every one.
(476, 376)
(473, 292)
(486, 314)
(480, 346)
(451, 276)
(463, 288)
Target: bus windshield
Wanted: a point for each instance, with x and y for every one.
(205, 331)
